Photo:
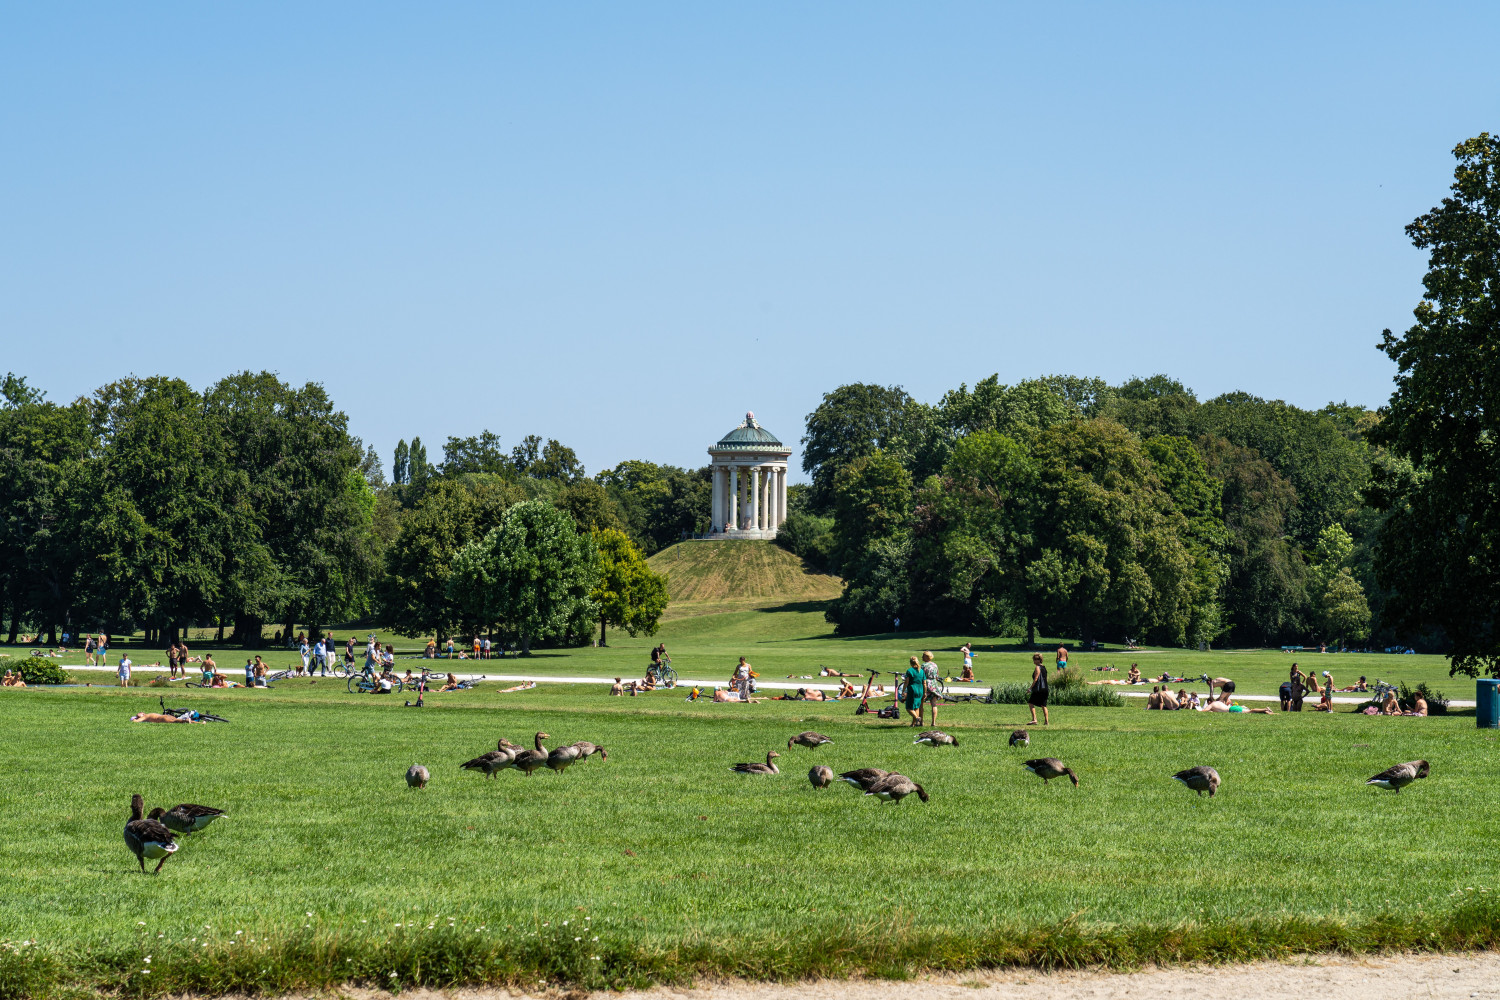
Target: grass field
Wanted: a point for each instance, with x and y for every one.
(679, 867)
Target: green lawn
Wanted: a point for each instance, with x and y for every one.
(679, 866)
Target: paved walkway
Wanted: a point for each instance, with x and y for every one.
(781, 685)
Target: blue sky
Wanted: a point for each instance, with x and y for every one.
(622, 225)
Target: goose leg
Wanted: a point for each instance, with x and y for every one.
(142, 860)
(158, 865)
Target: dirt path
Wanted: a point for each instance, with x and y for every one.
(1329, 978)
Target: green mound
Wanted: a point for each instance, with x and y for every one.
(737, 574)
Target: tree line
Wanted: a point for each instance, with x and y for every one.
(150, 506)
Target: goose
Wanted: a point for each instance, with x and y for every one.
(895, 787)
(1199, 779)
(185, 817)
(766, 768)
(559, 759)
(527, 761)
(864, 777)
(147, 838)
(496, 760)
(808, 739)
(416, 776)
(1398, 777)
(586, 748)
(935, 738)
(1020, 738)
(820, 776)
(1048, 768)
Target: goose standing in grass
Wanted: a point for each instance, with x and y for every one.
(1398, 777)
(864, 777)
(559, 759)
(1020, 738)
(935, 738)
(416, 776)
(808, 739)
(1200, 779)
(585, 748)
(147, 838)
(895, 787)
(1048, 768)
(527, 761)
(820, 776)
(496, 760)
(767, 768)
(186, 817)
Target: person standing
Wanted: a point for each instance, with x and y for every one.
(930, 685)
(450, 647)
(484, 650)
(104, 650)
(123, 671)
(741, 676)
(304, 652)
(172, 661)
(1062, 657)
(1037, 697)
(915, 679)
(1298, 689)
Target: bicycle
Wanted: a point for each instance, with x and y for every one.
(664, 674)
(369, 683)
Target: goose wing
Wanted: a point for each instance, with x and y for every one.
(1402, 773)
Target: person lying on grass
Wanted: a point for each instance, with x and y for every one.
(523, 686)
(826, 672)
(1223, 704)
(1362, 686)
(159, 717)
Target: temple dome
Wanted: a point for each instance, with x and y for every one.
(749, 436)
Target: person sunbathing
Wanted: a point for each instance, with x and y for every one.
(617, 689)
(825, 672)
(524, 686)
(1223, 704)
(159, 717)
(1168, 701)
(1419, 706)
(847, 691)
(13, 680)
(1134, 677)
(1153, 700)
(721, 695)
(1390, 706)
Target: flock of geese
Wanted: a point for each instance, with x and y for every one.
(510, 756)
(892, 787)
(152, 836)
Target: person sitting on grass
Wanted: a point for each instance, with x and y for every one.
(617, 690)
(1192, 701)
(218, 680)
(1168, 700)
(1134, 677)
(1419, 706)
(847, 691)
(1362, 686)
(451, 685)
(649, 684)
(1153, 700)
(13, 680)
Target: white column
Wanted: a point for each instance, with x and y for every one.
(781, 501)
(755, 497)
(717, 513)
(732, 483)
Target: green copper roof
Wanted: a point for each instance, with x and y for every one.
(748, 436)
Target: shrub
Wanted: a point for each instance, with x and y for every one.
(1406, 697)
(41, 670)
(1069, 677)
(1074, 696)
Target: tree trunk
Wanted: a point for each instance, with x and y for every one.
(525, 644)
(219, 639)
(52, 635)
(248, 631)
(15, 614)
(1030, 630)
(601, 631)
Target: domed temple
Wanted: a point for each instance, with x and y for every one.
(749, 480)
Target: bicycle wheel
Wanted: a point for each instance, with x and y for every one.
(339, 670)
(357, 684)
(396, 685)
(668, 677)
(37, 652)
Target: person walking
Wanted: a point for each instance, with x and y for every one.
(104, 650)
(915, 679)
(1037, 697)
(741, 676)
(305, 652)
(1062, 657)
(88, 651)
(123, 671)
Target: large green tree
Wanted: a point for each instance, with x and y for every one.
(532, 575)
(1439, 550)
(629, 594)
(852, 422)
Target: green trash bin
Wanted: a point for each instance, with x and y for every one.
(1487, 704)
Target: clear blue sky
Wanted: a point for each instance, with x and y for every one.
(622, 225)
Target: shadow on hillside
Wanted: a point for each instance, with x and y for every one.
(801, 607)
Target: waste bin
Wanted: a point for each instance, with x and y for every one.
(1487, 704)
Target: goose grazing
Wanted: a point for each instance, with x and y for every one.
(527, 761)
(820, 776)
(895, 787)
(416, 776)
(1398, 777)
(147, 838)
(559, 759)
(864, 777)
(767, 768)
(586, 748)
(936, 738)
(1048, 768)
(1020, 738)
(808, 739)
(185, 817)
(1199, 779)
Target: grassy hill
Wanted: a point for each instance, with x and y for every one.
(703, 577)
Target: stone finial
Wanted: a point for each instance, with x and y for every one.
(750, 419)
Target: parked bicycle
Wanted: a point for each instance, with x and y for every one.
(663, 672)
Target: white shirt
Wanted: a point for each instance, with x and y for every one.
(125, 666)
(743, 672)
